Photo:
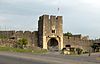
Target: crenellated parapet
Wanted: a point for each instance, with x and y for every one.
(32, 37)
(49, 29)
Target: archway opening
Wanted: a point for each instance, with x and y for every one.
(53, 45)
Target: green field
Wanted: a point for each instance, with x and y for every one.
(33, 51)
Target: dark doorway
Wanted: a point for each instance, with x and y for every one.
(53, 44)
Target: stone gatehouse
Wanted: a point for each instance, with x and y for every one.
(49, 35)
(50, 32)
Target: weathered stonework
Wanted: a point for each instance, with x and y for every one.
(50, 28)
(32, 37)
(49, 35)
(35, 38)
(77, 41)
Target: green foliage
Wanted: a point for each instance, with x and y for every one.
(79, 51)
(33, 51)
(14, 49)
(2, 36)
(95, 46)
(21, 43)
(68, 34)
(72, 51)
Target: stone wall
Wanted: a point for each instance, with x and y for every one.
(35, 38)
(7, 34)
(12, 36)
(77, 42)
(7, 42)
(48, 27)
(19, 34)
(32, 37)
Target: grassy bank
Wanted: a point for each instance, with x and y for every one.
(33, 51)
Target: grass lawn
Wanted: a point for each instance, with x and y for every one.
(33, 51)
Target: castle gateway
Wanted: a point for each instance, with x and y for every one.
(50, 32)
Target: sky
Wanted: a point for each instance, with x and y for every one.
(79, 16)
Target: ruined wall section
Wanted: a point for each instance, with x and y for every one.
(32, 37)
(28, 35)
(19, 34)
(35, 39)
(7, 42)
(6, 34)
(77, 42)
(13, 36)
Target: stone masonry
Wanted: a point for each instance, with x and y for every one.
(50, 32)
(49, 35)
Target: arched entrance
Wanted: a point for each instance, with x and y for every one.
(53, 45)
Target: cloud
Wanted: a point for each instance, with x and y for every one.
(80, 16)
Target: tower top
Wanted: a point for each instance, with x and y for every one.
(51, 15)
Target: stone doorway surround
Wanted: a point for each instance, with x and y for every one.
(52, 44)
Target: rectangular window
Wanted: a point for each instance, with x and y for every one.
(53, 31)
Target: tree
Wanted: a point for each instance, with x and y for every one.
(94, 46)
(79, 51)
(22, 43)
(69, 34)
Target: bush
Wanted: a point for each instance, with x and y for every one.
(21, 43)
(79, 51)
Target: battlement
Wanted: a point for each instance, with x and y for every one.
(49, 35)
(17, 34)
(50, 25)
(50, 17)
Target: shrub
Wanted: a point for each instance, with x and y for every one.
(79, 51)
(21, 43)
